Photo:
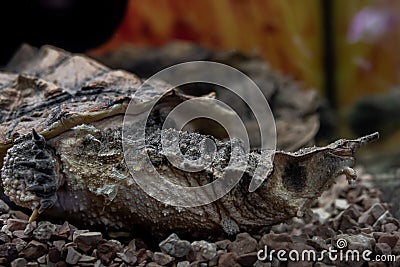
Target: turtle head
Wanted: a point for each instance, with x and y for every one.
(30, 173)
(344, 150)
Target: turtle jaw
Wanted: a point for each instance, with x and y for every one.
(346, 157)
(30, 174)
(345, 150)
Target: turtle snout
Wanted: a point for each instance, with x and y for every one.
(30, 173)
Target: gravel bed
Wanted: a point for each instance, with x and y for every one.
(356, 216)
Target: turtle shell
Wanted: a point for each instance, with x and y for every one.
(52, 91)
(298, 111)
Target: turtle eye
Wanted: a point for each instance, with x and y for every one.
(40, 155)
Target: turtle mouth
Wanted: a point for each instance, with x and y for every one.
(347, 148)
(344, 152)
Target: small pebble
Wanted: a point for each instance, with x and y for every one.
(20, 262)
(162, 258)
(4, 208)
(175, 247)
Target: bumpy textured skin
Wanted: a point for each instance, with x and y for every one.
(31, 176)
(73, 165)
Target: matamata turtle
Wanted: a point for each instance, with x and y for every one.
(61, 123)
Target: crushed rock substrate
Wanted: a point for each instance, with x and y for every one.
(357, 215)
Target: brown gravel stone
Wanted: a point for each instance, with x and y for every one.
(341, 203)
(389, 239)
(87, 241)
(20, 262)
(300, 247)
(162, 258)
(73, 256)
(354, 193)
(301, 233)
(77, 232)
(377, 235)
(66, 231)
(183, 264)
(275, 241)
(243, 244)
(347, 223)
(128, 256)
(324, 231)
(367, 230)
(9, 251)
(59, 244)
(214, 261)
(16, 224)
(321, 264)
(383, 219)
(34, 250)
(4, 238)
(141, 255)
(389, 227)
(317, 242)
(366, 219)
(153, 264)
(368, 202)
(202, 251)
(228, 260)
(42, 259)
(44, 231)
(17, 214)
(298, 264)
(353, 211)
(87, 259)
(4, 208)
(139, 244)
(175, 247)
(396, 248)
(20, 234)
(54, 255)
(20, 244)
(195, 264)
(383, 249)
(106, 252)
(247, 259)
(61, 264)
(372, 214)
(30, 227)
(223, 244)
(262, 264)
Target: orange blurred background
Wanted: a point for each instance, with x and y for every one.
(288, 34)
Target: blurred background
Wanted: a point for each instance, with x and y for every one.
(347, 51)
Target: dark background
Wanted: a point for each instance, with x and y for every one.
(75, 25)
